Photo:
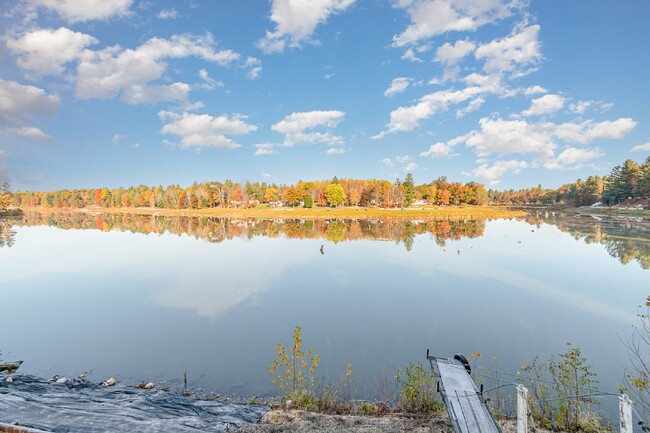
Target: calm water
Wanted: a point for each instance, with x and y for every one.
(146, 298)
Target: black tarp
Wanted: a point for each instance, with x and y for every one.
(81, 406)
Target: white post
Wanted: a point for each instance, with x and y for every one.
(625, 413)
(522, 409)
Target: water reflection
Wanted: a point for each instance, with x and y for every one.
(627, 240)
(7, 234)
(217, 230)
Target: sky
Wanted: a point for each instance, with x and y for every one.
(511, 93)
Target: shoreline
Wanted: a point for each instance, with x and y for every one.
(456, 212)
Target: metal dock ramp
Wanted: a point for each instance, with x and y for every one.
(465, 404)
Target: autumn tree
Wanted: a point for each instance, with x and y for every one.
(335, 195)
(6, 197)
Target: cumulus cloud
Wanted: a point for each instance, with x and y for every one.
(473, 105)
(544, 105)
(451, 54)
(295, 127)
(589, 130)
(336, 151)
(296, 20)
(581, 107)
(534, 90)
(18, 102)
(494, 173)
(209, 82)
(645, 147)
(153, 94)
(572, 156)
(439, 150)
(540, 139)
(511, 53)
(204, 130)
(407, 118)
(410, 55)
(387, 162)
(433, 17)
(168, 14)
(46, 51)
(264, 149)
(75, 11)
(398, 85)
(112, 71)
(29, 132)
(411, 166)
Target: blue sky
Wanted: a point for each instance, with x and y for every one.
(511, 93)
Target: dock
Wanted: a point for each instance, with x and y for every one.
(465, 404)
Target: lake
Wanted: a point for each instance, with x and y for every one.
(146, 298)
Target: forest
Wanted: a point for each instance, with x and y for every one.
(628, 180)
(328, 193)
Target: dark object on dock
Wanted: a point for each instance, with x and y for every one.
(465, 404)
(10, 367)
(321, 249)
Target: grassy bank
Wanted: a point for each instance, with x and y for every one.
(264, 212)
(611, 212)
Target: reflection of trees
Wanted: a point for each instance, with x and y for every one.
(624, 240)
(220, 229)
(7, 235)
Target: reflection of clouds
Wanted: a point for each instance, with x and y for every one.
(212, 286)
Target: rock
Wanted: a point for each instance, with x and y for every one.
(149, 385)
(62, 380)
(109, 382)
(10, 380)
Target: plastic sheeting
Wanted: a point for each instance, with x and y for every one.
(84, 407)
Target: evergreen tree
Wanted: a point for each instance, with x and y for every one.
(409, 190)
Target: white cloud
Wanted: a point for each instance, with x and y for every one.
(387, 162)
(153, 94)
(410, 55)
(539, 139)
(118, 137)
(645, 147)
(29, 132)
(433, 17)
(46, 51)
(544, 105)
(168, 14)
(473, 105)
(534, 90)
(336, 151)
(209, 82)
(494, 173)
(18, 102)
(204, 130)
(411, 166)
(407, 118)
(76, 11)
(589, 130)
(264, 149)
(571, 156)
(296, 20)
(451, 54)
(439, 150)
(521, 48)
(582, 106)
(295, 125)
(403, 159)
(109, 72)
(398, 85)
(254, 67)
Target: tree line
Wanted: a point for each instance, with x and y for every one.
(228, 194)
(628, 180)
